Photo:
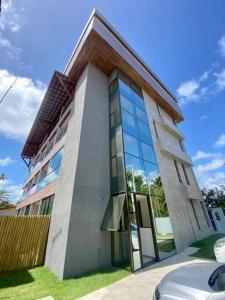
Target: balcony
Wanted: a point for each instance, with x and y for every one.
(41, 184)
(173, 152)
(170, 127)
(35, 163)
(190, 192)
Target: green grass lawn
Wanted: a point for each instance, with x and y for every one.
(40, 282)
(206, 246)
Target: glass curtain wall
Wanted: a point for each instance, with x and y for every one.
(142, 171)
(134, 169)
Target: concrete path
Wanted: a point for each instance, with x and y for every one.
(141, 285)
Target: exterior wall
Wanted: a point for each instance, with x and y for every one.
(183, 221)
(76, 243)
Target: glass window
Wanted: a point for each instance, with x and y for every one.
(144, 132)
(129, 123)
(127, 104)
(46, 205)
(138, 101)
(113, 213)
(152, 172)
(116, 143)
(125, 90)
(141, 115)
(178, 171)
(117, 175)
(148, 152)
(132, 145)
(135, 174)
(55, 161)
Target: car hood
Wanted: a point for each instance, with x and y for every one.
(189, 282)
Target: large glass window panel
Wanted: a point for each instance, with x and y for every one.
(113, 213)
(144, 132)
(116, 143)
(152, 172)
(127, 104)
(148, 152)
(135, 174)
(114, 105)
(141, 114)
(125, 90)
(117, 175)
(138, 101)
(132, 145)
(55, 161)
(129, 123)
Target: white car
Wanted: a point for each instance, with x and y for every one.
(198, 281)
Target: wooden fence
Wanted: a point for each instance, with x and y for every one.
(22, 241)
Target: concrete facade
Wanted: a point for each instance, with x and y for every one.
(183, 221)
(84, 188)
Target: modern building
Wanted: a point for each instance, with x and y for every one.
(106, 159)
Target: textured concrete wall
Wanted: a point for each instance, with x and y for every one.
(76, 244)
(182, 217)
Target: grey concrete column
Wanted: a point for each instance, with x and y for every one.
(76, 244)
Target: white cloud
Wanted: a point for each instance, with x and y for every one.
(203, 117)
(220, 80)
(15, 191)
(212, 180)
(204, 155)
(188, 89)
(9, 19)
(220, 142)
(210, 166)
(20, 105)
(10, 51)
(6, 161)
(221, 44)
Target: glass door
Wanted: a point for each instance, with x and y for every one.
(142, 231)
(146, 229)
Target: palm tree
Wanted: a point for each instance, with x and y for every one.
(4, 199)
(158, 198)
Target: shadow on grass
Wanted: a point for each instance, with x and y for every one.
(15, 278)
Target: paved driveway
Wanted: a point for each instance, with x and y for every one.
(141, 285)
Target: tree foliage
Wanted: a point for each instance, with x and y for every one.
(214, 197)
(4, 199)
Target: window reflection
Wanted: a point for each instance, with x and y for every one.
(127, 104)
(148, 152)
(129, 123)
(132, 145)
(144, 132)
(141, 114)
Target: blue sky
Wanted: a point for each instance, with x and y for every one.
(182, 41)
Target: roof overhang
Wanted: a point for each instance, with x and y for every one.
(60, 91)
(101, 45)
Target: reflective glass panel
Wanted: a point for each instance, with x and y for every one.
(127, 104)
(132, 145)
(136, 180)
(125, 90)
(148, 152)
(138, 101)
(55, 161)
(129, 123)
(141, 115)
(113, 213)
(152, 171)
(144, 132)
